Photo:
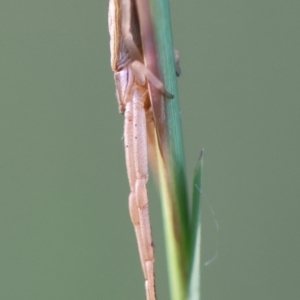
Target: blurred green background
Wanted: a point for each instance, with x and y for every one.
(65, 231)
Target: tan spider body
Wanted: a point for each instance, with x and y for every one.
(131, 78)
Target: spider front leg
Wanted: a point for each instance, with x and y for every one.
(135, 138)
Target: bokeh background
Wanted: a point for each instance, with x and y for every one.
(65, 231)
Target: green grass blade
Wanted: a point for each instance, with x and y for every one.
(195, 267)
(172, 169)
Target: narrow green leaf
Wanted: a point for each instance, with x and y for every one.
(172, 176)
(195, 267)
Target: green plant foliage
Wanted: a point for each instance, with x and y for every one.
(182, 232)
